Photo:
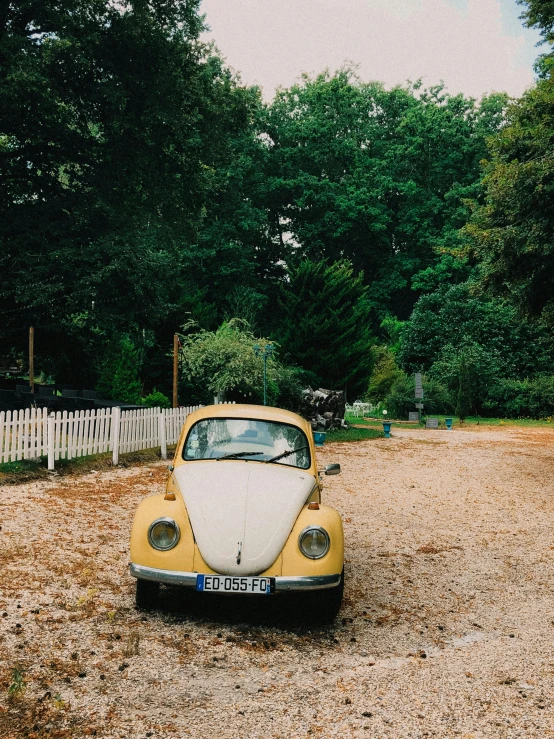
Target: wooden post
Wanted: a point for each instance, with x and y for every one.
(50, 422)
(163, 439)
(116, 424)
(175, 403)
(32, 358)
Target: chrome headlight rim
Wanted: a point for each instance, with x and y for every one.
(170, 522)
(322, 531)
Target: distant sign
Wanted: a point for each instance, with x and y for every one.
(418, 386)
(432, 423)
(419, 405)
(413, 416)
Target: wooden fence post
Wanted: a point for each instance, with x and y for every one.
(163, 438)
(115, 429)
(51, 420)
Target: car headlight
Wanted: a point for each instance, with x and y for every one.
(314, 542)
(163, 534)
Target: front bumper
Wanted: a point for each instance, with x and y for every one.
(282, 584)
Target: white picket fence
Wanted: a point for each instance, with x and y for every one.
(33, 433)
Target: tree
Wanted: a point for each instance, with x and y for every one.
(513, 232)
(453, 316)
(119, 378)
(223, 362)
(464, 400)
(469, 371)
(116, 124)
(326, 324)
(539, 14)
(379, 177)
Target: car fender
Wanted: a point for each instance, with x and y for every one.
(294, 563)
(181, 557)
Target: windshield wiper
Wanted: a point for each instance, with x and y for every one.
(236, 455)
(286, 454)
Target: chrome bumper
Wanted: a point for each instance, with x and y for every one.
(188, 579)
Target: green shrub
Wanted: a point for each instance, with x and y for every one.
(400, 401)
(384, 375)
(522, 398)
(223, 362)
(468, 370)
(156, 399)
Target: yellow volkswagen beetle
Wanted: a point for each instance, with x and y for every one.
(242, 513)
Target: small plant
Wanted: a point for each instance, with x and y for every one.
(156, 399)
(58, 701)
(86, 602)
(18, 685)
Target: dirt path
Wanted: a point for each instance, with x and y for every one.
(447, 628)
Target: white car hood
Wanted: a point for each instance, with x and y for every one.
(246, 505)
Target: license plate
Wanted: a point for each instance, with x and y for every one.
(230, 584)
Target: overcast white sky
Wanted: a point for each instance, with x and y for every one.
(474, 46)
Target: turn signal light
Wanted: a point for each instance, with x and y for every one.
(170, 496)
(313, 506)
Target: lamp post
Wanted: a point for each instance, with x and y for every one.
(264, 352)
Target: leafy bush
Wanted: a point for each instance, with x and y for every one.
(522, 398)
(223, 363)
(453, 316)
(400, 401)
(156, 399)
(384, 375)
(468, 371)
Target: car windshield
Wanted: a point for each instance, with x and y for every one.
(248, 440)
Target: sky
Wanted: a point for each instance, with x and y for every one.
(473, 46)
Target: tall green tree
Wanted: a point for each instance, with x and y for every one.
(115, 122)
(377, 176)
(326, 326)
(513, 232)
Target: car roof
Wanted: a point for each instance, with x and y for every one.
(243, 410)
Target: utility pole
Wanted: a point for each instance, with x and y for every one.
(32, 358)
(175, 403)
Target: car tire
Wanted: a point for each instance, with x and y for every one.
(325, 605)
(147, 594)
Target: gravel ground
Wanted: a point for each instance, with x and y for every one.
(446, 630)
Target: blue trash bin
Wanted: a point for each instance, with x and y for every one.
(448, 422)
(319, 438)
(386, 429)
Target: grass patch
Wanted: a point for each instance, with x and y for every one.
(27, 470)
(378, 423)
(525, 422)
(469, 421)
(354, 434)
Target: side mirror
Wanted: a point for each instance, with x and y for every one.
(332, 469)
